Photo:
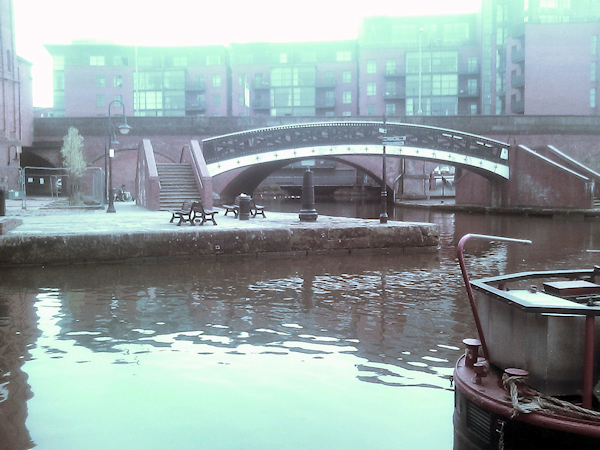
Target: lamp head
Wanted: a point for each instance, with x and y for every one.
(124, 128)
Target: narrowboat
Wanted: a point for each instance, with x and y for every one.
(530, 379)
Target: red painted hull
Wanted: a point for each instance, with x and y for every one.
(482, 419)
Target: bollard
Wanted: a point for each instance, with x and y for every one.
(244, 207)
(472, 352)
(2, 202)
(308, 213)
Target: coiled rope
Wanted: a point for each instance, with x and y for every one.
(538, 402)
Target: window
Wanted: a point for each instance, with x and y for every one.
(241, 100)
(390, 109)
(347, 113)
(174, 79)
(58, 62)
(283, 58)
(100, 81)
(174, 100)
(147, 80)
(147, 100)
(293, 76)
(594, 47)
(592, 97)
(144, 61)
(241, 79)
(371, 109)
(213, 60)
(59, 80)
(347, 97)
(390, 67)
(428, 62)
(390, 88)
(371, 67)
(120, 61)
(179, 61)
(472, 64)
(59, 100)
(371, 89)
(548, 3)
(329, 78)
(343, 56)
(216, 81)
(347, 76)
(593, 71)
(117, 81)
(329, 99)
(118, 98)
(472, 86)
(100, 100)
(96, 60)
(473, 109)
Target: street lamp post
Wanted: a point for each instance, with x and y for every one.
(112, 143)
(383, 218)
(420, 69)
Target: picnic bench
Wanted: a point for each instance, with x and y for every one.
(203, 215)
(254, 208)
(184, 213)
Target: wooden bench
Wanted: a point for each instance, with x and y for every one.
(257, 209)
(184, 214)
(254, 208)
(202, 215)
(235, 208)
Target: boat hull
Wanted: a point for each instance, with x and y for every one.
(482, 420)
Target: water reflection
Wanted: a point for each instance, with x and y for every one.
(346, 352)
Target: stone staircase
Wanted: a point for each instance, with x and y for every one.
(177, 184)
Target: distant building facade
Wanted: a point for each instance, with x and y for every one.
(16, 101)
(512, 57)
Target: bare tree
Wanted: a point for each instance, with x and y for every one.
(72, 158)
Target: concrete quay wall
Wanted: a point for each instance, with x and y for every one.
(183, 243)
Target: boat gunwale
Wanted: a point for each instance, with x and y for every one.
(477, 395)
(579, 309)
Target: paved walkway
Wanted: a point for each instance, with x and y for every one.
(44, 217)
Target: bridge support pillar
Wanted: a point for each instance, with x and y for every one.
(308, 213)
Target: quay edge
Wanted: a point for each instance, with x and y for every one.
(184, 243)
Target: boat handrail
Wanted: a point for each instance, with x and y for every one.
(463, 268)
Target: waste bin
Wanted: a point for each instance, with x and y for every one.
(244, 207)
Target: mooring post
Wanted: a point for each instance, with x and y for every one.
(308, 213)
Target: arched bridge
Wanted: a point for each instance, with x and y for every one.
(337, 139)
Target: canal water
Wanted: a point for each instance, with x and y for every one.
(329, 352)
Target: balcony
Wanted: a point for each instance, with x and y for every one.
(261, 104)
(325, 103)
(517, 56)
(464, 93)
(394, 95)
(196, 106)
(517, 107)
(468, 69)
(195, 86)
(325, 84)
(517, 81)
(394, 74)
(259, 84)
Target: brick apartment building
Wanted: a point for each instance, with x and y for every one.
(512, 57)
